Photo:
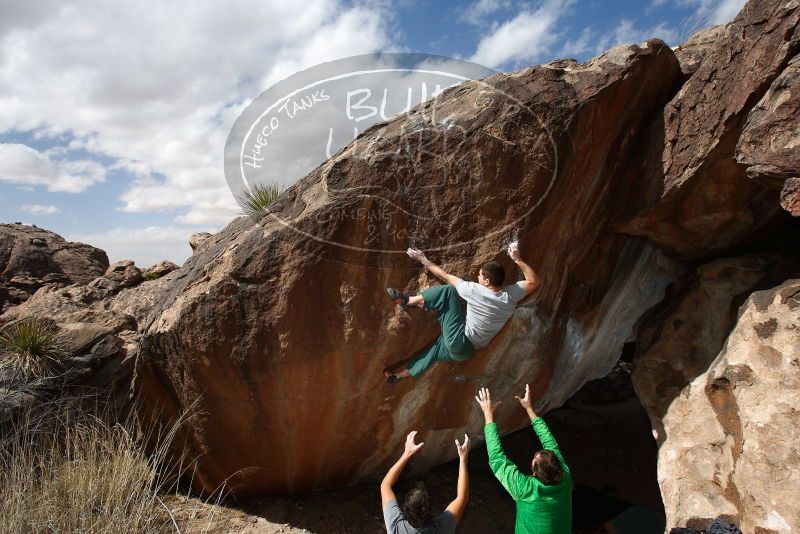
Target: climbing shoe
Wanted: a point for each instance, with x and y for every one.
(391, 378)
(398, 297)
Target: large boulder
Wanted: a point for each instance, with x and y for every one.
(727, 150)
(694, 50)
(620, 176)
(31, 257)
(725, 402)
(277, 332)
(679, 343)
(705, 202)
(769, 142)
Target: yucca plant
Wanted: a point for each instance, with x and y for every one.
(257, 197)
(33, 346)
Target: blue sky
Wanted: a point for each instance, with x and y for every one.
(113, 116)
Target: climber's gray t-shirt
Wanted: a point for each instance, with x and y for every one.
(487, 311)
(396, 523)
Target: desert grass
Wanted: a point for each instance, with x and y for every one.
(67, 469)
(68, 464)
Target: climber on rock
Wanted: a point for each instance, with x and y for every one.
(543, 499)
(489, 306)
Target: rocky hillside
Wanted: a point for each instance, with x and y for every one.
(32, 257)
(96, 307)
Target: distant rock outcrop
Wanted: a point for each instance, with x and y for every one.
(31, 257)
(196, 240)
(159, 269)
(83, 312)
(97, 319)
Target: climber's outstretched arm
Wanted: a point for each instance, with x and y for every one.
(387, 490)
(532, 280)
(437, 271)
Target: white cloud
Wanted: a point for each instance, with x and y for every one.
(23, 165)
(145, 246)
(716, 11)
(527, 37)
(39, 209)
(626, 32)
(706, 13)
(710, 12)
(156, 86)
(726, 11)
(20, 164)
(75, 176)
(477, 12)
(580, 46)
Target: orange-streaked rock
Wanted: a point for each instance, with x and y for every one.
(279, 340)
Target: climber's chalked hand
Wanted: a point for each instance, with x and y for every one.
(416, 254)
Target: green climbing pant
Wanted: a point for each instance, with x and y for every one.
(452, 345)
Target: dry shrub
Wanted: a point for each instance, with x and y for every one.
(66, 470)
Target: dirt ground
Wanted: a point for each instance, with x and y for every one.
(353, 510)
(604, 434)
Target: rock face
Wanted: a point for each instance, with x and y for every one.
(681, 343)
(617, 175)
(694, 50)
(706, 201)
(32, 257)
(790, 196)
(729, 437)
(769, 143)
(279, 339)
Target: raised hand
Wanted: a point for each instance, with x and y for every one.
(416, 254)
(463, 450)
(412, 447)
(484, 399)
(525, 402)
(513, 251)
